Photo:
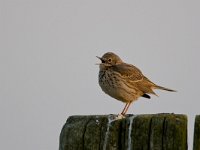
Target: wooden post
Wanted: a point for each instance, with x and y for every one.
(135, 132)
(196, 144)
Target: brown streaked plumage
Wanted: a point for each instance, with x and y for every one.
(123, 81)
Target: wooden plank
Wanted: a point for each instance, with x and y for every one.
(196, 144)
(135, 132)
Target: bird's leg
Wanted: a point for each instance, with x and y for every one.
(122, 113)
(126, 108)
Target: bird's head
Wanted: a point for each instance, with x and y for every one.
(110, 59)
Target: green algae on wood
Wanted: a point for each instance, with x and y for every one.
(196, 143)
(136, 132)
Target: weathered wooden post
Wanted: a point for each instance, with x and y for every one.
(196, 144)
(135, 132)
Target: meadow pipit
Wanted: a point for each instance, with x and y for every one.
(123, 81)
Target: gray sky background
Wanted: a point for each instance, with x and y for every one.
(48, 71)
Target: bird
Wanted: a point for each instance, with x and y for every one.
(123, 81)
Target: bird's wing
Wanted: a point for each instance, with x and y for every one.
(129, 71)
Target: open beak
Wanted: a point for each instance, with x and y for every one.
(100, 59)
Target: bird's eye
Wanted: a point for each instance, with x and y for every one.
(109, 60)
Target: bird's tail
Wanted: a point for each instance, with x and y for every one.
(163, 88)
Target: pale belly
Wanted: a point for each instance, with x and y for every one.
(117, 89)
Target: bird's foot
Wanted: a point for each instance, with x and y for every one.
(119, 116)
